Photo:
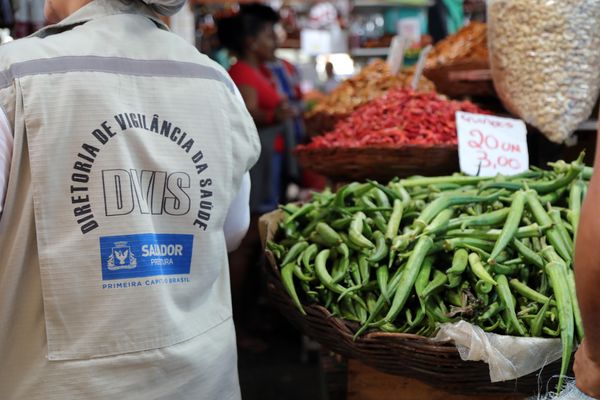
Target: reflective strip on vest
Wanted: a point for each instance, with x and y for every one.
(113, 65)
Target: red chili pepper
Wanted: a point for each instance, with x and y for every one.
(400, 117)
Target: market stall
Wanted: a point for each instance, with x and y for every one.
(405, 274)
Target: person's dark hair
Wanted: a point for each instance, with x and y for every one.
(248, 23)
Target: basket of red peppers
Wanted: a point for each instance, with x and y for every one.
(401, 134)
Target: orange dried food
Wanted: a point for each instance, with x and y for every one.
(469, 43)
(372, 82)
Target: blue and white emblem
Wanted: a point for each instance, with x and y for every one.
(121, 257)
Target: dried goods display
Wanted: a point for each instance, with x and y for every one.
(372, 82)
(544, 59)
(468, 44)
(400, 117)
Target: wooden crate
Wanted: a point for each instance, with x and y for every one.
(365, 383)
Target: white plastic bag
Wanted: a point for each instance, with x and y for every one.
(570, 392)
(545, 57)
(508, 357)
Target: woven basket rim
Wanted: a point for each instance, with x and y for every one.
(404, 147)
(434, 362)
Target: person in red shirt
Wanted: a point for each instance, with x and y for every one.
(250, 36)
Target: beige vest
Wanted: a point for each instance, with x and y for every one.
(129, 148)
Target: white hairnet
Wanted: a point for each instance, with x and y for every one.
(165, 7)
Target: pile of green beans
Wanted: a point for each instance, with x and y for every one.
(417, 252)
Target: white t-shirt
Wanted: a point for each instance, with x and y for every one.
(238, 216)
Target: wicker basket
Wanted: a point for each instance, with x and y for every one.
(380, 163)
(435, 363)
(319, 123)
(464, 78)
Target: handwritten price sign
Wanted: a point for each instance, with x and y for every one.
(488, 145)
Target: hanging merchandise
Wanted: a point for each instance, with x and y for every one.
(544, 59)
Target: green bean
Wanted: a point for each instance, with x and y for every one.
(510, 225)
(528, 254)
(503, 290)
(454, 281)
(445, 201)
(465, 243)
(437, 283)
(423, 278)
(381, 249)
(435, 312)
(290, 229)
(380, 196)
(340, 197)
(459, 262)
(380, 221)
(525, 312)
(538, 322)
(575, 201)
(364, 269)
(400, 243)
(355, 233)
(362, 313)
(355, 273)
(544, 219)
(275, 248)
(553, 197)
(528, 292)
(383, 275)
(558, 282)
(419, 317)
(575, 303)
(307, 255)
(553, 333)
(439, 221)
(305, 209)
(287, 277)
(492, 311)
(301, 275)
(455, 298)
(343, 265)
(460, 180)
(394, 221)
(479, 270)
(289, 208)
(560, 227)
(294, 252)
(483, 287)
(493, 327)
(401, 193)
(327, 280)
(341, 223)
(409, 276)
(504, 269)
(532, 230)
(488, 219)
(540, 187)
(393, 285)
(536, 244)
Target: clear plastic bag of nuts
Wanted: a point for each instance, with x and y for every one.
(545, 60)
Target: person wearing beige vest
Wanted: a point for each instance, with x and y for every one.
(123, 184)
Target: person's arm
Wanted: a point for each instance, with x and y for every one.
(262, 118)
(250, 96)
(587, 275)
(238, 217)
(6, 147)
